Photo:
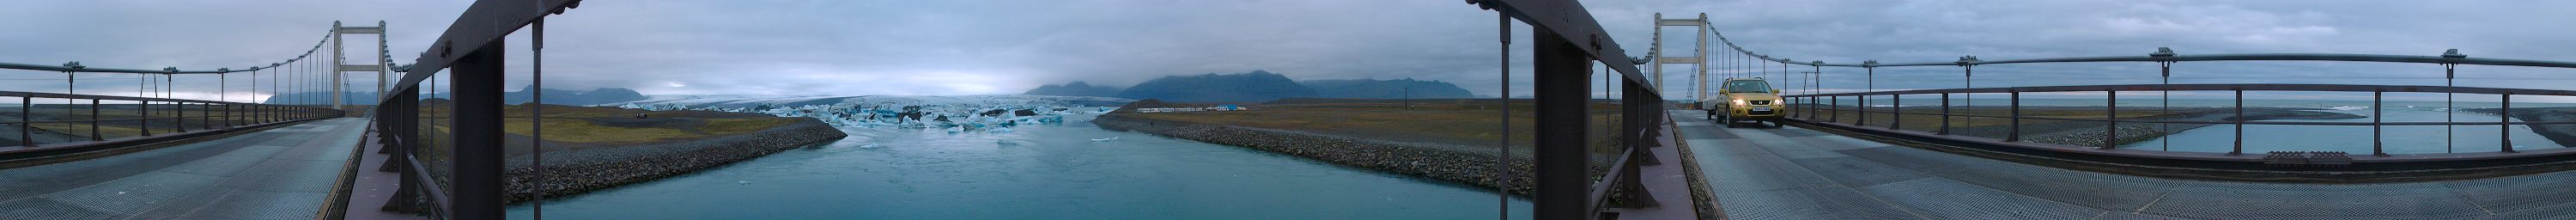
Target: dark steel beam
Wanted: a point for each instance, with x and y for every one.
(486, 22)
(476, 177)
(401, 120)
(1561, 83)
(1568, 20)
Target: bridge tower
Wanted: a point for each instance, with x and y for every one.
(1698, 58)
(339, 65)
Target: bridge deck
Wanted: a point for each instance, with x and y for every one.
(282, 173)
(1793, 173)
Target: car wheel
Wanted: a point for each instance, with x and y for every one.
(1729, 120)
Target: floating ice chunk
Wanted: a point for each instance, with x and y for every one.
(871, 146)
(741, 182)
(1104, 139)
(2348, 108)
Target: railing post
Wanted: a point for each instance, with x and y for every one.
(477, 155)
(1635, 183)
(1945, 115)
(93, 122)
(26, 125)
(207, 111)
(2111, 120)
(145, 107)
(2377, 114)
(1560, 80)
(401, 137)
(2240, 123)
(1836, 105)
(2504, 123)
(1895, 111)
(1862, 110)
(2013, 132)
(179, 117)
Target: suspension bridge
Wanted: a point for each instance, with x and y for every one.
(252, 152)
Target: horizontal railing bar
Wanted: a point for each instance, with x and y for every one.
(2221, 87)
(1610, 179)
(2237, 57)
(2231, 122)
(119, 98)
(436, 193)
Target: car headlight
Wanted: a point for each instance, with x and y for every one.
(1739, 102)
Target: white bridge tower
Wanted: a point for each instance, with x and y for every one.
(1698, 57)
(339, 65)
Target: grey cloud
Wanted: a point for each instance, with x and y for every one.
(989, 47)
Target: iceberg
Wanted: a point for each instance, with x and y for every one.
(953, 113)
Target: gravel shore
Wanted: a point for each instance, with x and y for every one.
(1439, 163)
(577, 171)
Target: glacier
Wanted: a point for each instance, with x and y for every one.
(986, 113)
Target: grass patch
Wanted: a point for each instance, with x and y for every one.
(582, 131)
(732, 126)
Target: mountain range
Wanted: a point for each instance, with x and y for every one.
(1258, 86)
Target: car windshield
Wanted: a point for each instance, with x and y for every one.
(1738, 86)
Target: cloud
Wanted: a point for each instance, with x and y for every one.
(989, 47)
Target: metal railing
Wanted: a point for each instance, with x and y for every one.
(208, 116)
(1833, 108)
(470, 54)
(1565, 45)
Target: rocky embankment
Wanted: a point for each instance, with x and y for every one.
(2564, 134)
(577, 171)
(1470, 168)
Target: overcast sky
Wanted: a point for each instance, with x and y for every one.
(867, 47)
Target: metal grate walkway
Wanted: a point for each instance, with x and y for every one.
(282, 173)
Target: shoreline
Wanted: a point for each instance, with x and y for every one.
(1410, 159)
(573, 172)
(2563, 134)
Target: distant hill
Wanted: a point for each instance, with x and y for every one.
(1077, 88)
(1385, 89)
(569, 97)
(553, 96)
(1255, 86)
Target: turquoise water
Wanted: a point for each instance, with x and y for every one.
(1032, 172)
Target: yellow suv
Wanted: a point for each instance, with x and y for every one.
(1745, 99)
